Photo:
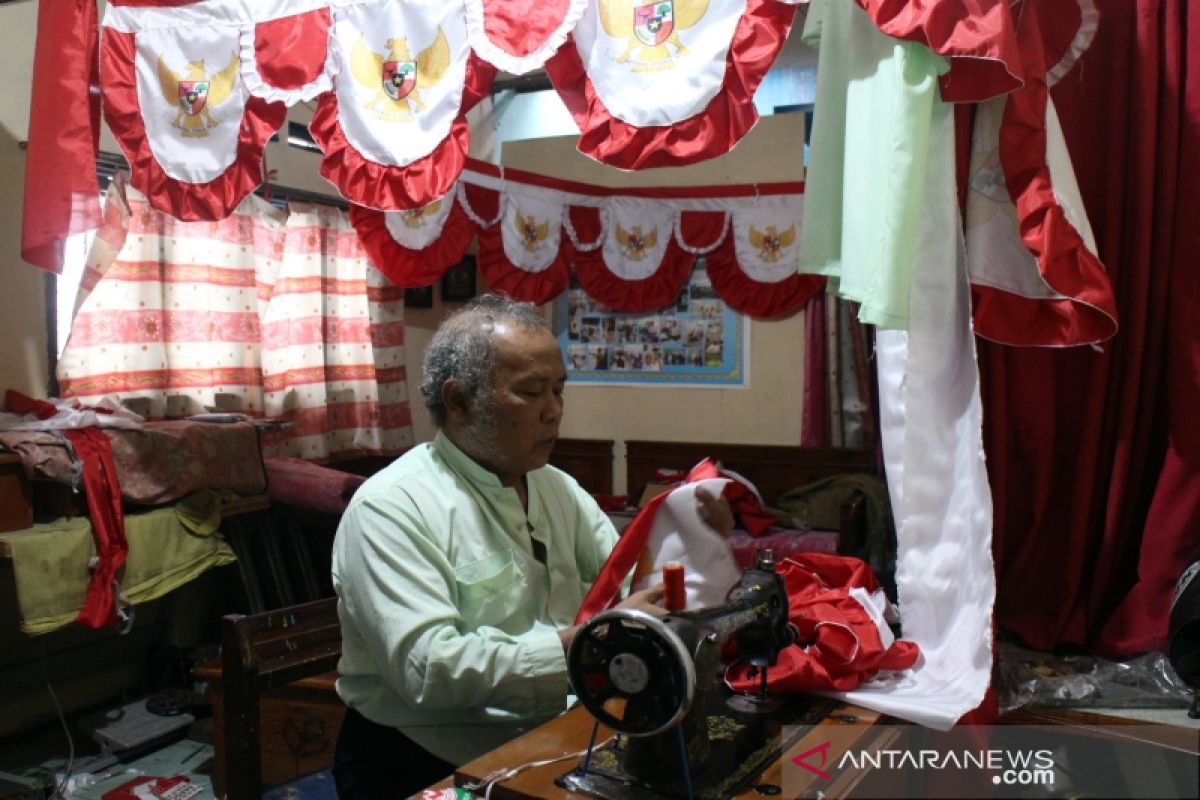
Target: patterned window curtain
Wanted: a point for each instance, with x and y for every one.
(271, 313)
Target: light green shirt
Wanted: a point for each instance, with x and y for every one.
(449, 621)
(877, 118)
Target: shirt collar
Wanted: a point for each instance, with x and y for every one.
(463, 464)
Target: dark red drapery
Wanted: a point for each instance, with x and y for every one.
(1094, 457)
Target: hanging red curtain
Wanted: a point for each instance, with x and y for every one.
(1094, 456)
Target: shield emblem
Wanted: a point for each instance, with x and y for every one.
(192, 96)
(399, 78)
(653, 22)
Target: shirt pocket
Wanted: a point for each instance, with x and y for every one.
(490, 590)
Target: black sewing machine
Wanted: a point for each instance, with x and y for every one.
(658, 682)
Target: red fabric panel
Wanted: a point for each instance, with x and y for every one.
(186, 201)
(108, 525)
(1093, 456)
(290, 51)
(976, 35)
(519, 27)
(410, 268)
(61, 194)
(729, 115)
(840, 646)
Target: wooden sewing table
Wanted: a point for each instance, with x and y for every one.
(844, 726)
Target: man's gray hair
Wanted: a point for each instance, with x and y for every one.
(463, 349)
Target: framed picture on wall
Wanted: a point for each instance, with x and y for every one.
(695, 341)
(421, 297)
(458, 282)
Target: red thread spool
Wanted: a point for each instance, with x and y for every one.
(674, 594)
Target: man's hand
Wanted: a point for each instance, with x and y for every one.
(715, 511)
(647, 600)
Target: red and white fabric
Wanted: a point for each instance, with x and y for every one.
(288, 60)
(842, 618)
(394, 129)
(756, 269)
(174, 99)
(79, 425)
(282, 311)
(631, 250)
(518, 36)
(666, 83)
(1031, 254)
(413, 248)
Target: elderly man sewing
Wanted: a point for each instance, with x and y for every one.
(460, 566)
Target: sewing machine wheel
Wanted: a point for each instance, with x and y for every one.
(631, 656)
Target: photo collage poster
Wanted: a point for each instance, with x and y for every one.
(697, 340)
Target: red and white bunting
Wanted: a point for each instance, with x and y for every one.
(175, 102)
(665, 83)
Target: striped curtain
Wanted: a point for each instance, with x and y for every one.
(276, 314)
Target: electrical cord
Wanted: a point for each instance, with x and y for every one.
(60, 788)
(487, 782)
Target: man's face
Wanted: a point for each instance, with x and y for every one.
(516, 431)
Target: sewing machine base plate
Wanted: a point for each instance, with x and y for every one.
(743, 745)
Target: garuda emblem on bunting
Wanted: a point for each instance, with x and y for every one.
(532, 232)
(770, 243)
(420, 217)
(398, 77)
(650, 30)
(634, 243)
(194, 93)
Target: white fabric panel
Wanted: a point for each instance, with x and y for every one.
(530, 231)
(767, 240)
(416, 229)
(397, 133)
(1062, 178)
(212, 144)
(636, 237)
(996, 256)
(933, 449)
(680, 535)
(657, 85)
(211, 12)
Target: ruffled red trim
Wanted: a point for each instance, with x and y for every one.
(654, 291)
(1089, 312)
(978, 38)
(505, 277)
(290, 52)
(186, 201)
(392, 188)
(759, 36)
(757, 298)
(411, 268)
(702, 230)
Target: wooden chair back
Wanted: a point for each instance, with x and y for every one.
(259, 652)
